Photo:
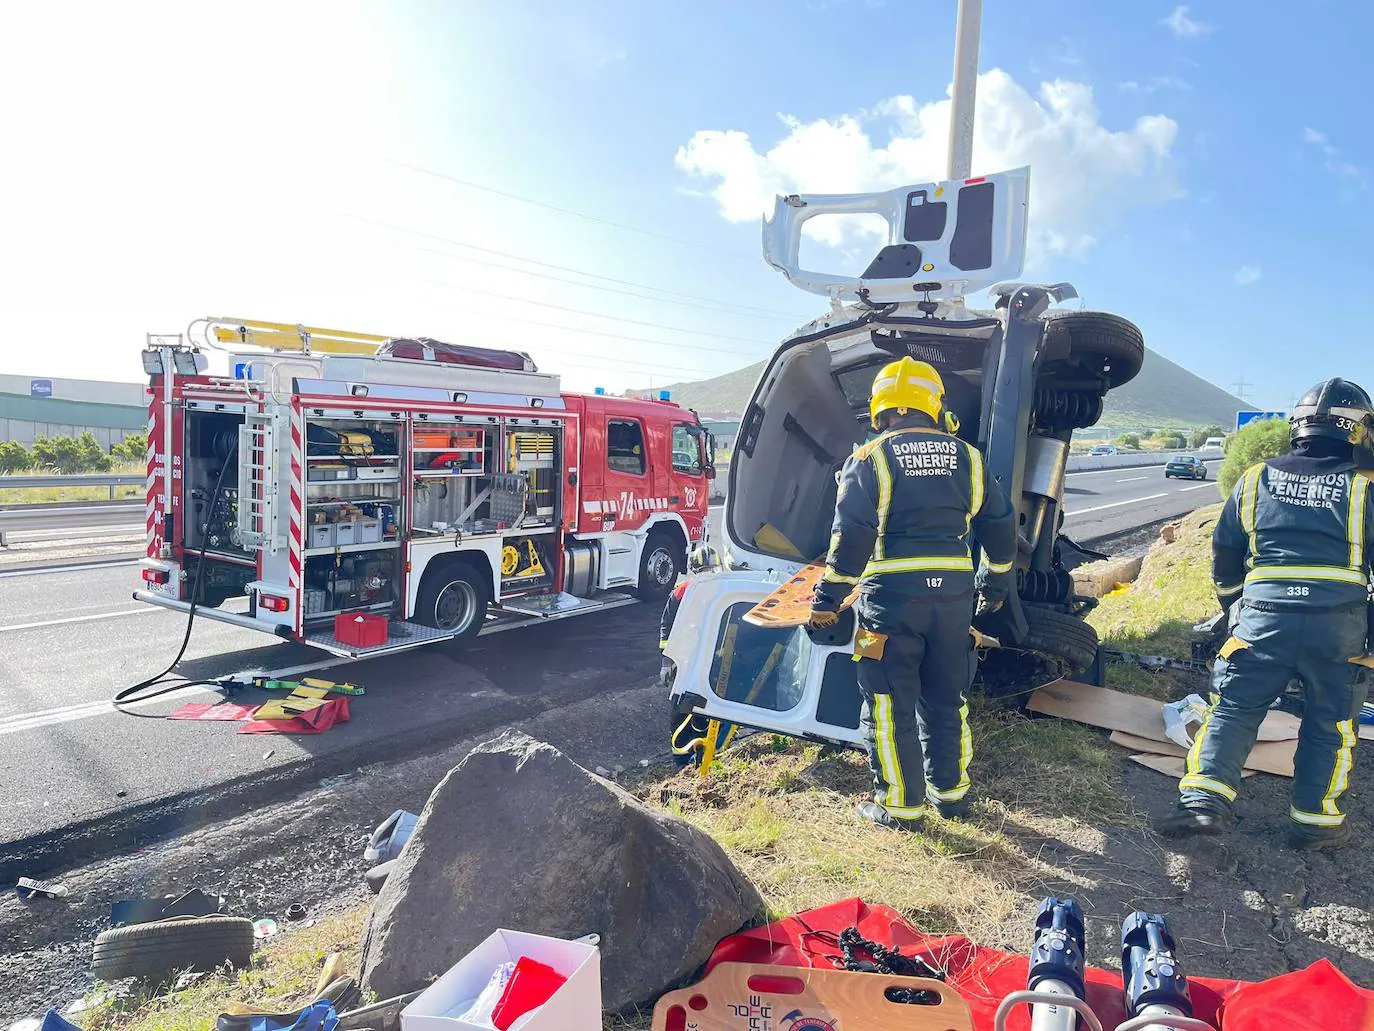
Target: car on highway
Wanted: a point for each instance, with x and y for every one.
(1191, 466)
(1020, 376)
(1102, 449)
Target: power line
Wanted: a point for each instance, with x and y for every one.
(566, 211)
(613, 318)
(488, 263)
(561, 268)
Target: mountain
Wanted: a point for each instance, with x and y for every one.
(1164, 396)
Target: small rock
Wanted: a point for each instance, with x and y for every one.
(601, 771)
(644, 763)
(268, 754)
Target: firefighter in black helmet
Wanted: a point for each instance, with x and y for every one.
(907, 504)
(1291, 562)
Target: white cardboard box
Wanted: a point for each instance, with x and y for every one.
(574, 1007)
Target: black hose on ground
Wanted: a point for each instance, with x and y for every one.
(126, 695)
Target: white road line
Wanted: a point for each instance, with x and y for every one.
(1196, 486)
(53, 570)
(78, 619)
(1131, 479)
(1114, 504)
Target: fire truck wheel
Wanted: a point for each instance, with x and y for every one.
(659, 567)
(453, 598)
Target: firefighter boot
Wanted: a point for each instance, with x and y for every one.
(875, 813)
(953, 810)
(1185, 821)
(1313, 839)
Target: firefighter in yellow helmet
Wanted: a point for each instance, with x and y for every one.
(908, 503)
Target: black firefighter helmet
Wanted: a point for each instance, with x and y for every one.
(1336, 409)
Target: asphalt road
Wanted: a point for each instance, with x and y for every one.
(1108, 502)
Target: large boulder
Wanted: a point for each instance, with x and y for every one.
(519, 836)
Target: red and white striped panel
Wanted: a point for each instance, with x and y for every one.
(624, 506)
(156, 499)
(296, 492)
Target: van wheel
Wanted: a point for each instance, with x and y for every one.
(1108, 343)
(453, 599)
(659, 567)
(163, 947)
(1060, 636)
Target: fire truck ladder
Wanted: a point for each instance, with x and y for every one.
(281, 336)
(258, 497)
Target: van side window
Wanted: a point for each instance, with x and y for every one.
(625, 446)
(686, 451)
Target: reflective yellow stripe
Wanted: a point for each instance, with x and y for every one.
(976, 485)
(1194, 761)
(1249, 498)
(1000, 567)
(1340, 773)
(662, 644)
(884, 475)
(886, 749)
(1197, 782)
(1331, 574)
(1355, 521)
(960, 789)
(1227, 588)
(834, 547)
(1315, 819)
(832, 577)
(949, 564)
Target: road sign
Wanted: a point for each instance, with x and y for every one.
(40, 388)
(1244, 417)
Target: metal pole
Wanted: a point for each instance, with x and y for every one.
(965, 89)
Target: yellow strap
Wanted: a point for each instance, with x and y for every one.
(1232, 645)
(1331, 574)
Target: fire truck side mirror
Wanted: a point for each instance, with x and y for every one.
(572, 478)
(710, 472)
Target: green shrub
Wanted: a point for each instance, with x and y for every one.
(1129, 440)
(14, 457)
(1199, 437)
(1253, 442)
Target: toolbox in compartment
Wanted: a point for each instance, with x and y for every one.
(324, 472)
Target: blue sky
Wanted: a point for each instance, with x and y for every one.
(1201, 171)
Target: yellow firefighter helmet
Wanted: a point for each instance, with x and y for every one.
(909, 385)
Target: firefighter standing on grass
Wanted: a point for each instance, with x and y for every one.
(1292, 548)
(907, 503)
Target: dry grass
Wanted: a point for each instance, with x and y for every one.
(51, 495)
(282, 979)
(1156, 614)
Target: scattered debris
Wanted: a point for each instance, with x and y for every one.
(390, 837)
(28, 888)
(295, 911)
(264, 927)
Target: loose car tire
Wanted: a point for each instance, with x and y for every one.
(1109, 343)
(659, 567)
(163, 947)
(453, 598)
(1060, 636)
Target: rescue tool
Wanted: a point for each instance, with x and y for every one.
(1055, 985)
(1156, 988)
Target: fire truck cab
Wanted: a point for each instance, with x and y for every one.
(446, 489)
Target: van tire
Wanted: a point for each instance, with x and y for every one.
(1112, 345)
(1059, 636)
(164, 947)
(454, 595)
(660, 565)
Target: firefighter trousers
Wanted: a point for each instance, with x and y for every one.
(915, 664)
(1267, 649)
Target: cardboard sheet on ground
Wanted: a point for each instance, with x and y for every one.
(315, 721)
(1134, 714)
(1318, 998)
(1169, 765)
(790, 604)
(825, 999)
(1274, 757)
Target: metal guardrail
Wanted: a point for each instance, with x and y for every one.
(110, 480)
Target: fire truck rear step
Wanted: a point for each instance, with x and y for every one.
(401, 635)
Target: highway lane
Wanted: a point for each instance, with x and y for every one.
(1108, 502)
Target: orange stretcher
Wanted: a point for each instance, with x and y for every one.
(790, 604)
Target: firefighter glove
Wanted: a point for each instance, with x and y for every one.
(987, 604)
(820, 619)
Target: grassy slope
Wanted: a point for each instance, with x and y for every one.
(1163, 396)
(786, 816)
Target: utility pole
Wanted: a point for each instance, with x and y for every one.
(965, 89)
(1239, 387)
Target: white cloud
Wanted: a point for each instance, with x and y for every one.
(1247, 274)
(1336, 163)
(1084, 175)
(1154, 85)
(1182, 26)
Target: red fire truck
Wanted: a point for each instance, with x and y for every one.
(364, 494)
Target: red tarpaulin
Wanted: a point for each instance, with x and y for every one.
(314, 721)
(1319, 998)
